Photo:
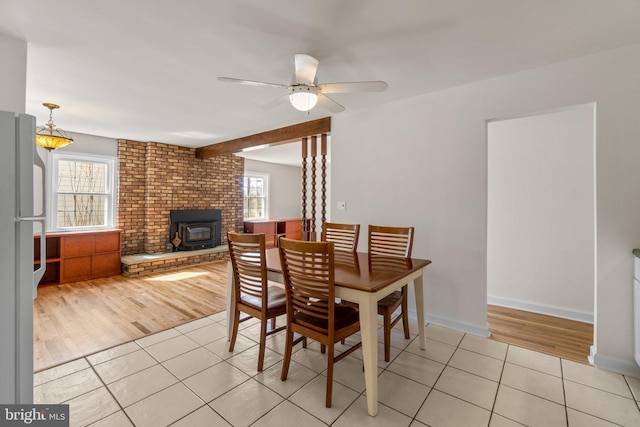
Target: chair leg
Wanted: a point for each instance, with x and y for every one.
(405, 315)
(273, 323)
(329, 375)
(288, 349)
(387, 335)
(323, 348)
(263, 339)
(234, 334)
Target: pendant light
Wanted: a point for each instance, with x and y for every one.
(48, 136)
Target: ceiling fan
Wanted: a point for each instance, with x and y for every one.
(304, 90)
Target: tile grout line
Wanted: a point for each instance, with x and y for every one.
(495, 399)
(361, 394)
(439, 375)
(112, 396)
(158, 363)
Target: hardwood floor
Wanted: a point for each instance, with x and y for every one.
(77, 319)
(567, 339)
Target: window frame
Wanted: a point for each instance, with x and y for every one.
(265, 177)
(52, 189)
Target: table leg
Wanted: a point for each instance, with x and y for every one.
(231, 300)
(419, 293)
(369, 336)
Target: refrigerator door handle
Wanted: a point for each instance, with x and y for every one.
(39, 273)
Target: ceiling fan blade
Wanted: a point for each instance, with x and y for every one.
(373, 86)
(328, 103)
(278, 101)
(306, 67)
(250, 82)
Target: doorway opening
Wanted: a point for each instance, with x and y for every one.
(541, 218)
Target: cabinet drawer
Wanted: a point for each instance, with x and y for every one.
(78, 245)
(107, 242)
(76, 268)
(294, 226)
(262, 227)
(104, 265)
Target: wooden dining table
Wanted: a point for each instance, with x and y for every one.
(362, 279)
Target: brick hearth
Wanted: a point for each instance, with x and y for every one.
(136, 265)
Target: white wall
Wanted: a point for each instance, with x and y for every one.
(541, 208)
(284, 188)
(422, 162)
(92, 144)
(13, 74)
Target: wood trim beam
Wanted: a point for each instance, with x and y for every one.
(269, 138)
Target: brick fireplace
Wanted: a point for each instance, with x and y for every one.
(156, 178)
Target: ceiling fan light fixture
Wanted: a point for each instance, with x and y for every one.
(48, 136)
(303, 98)
(304, 90)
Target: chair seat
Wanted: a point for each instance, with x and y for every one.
(344, 316)
(276, 298)
(391, 300)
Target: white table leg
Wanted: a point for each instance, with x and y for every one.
(231, 300)
(369, 336)
(418, 289)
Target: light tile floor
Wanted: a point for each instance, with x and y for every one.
(186, 377)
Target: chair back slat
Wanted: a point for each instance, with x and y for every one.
(389, 251)
(312, 312)
(308, 269)
(253, 294)
(247, 252)
(390, 241)
(344, 236)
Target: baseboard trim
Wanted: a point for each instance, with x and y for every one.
(564, 313)
(479, 329)
(620, 366)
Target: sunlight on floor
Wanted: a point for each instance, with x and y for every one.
(178, 275)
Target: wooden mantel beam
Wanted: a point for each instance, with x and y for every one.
(269, 138)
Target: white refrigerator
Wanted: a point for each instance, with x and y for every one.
(19, 162)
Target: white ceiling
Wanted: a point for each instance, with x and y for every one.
(147, 69)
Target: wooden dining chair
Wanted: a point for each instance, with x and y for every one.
(394, 242)
(308, 270)
(344, 236)
(254, 294)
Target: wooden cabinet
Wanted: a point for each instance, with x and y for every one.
(52, 273)
(72, 257)
(289, 228)
(266, 227)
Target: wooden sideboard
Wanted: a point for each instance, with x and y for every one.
(289, 228)
(77, 256)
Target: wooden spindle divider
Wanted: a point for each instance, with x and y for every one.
(305, 231)
(314, 154)
(323, 152)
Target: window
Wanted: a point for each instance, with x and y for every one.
(82, 191)
(256, 188)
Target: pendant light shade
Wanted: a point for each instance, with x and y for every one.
(50, 137)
